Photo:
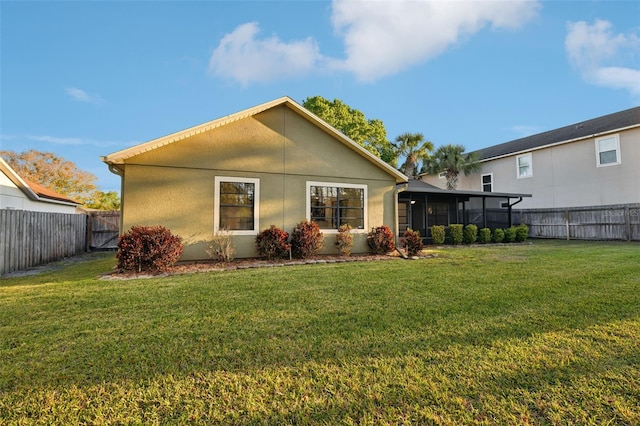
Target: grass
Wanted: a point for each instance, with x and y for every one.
(546, 333)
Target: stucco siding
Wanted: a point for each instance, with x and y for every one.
(174, 185)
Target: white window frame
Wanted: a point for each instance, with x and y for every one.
(616, 138)
(340, 185)
(482, 181)
(530, 174)
(256, 204)
(442, 175)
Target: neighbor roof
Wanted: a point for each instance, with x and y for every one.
(33, 190)
(586, 129)
(120, 157)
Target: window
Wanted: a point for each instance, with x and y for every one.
(331, 205)
(487, 182)
(524, 163)
(442, 175)
(236, 205)
(608, 151)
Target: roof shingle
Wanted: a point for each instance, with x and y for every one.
(606, 123)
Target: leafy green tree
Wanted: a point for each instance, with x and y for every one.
(414, 148)
(451, 160)
(368, 133)
(109, 200)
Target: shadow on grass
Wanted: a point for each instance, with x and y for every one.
(246, 321)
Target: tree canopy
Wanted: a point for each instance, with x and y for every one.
(368, 133)
(414, 148)
(61, 176)
(451, 160)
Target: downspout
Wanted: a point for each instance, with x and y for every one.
(116, 171)
(396, 191)
(510, 206)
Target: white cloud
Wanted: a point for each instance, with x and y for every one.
(599, 55)
(57, 140)
(523, 130)
(380, 38)
(82, 96)
(243, 57)
(385, 37)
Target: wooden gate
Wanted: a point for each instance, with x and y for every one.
(103, 229)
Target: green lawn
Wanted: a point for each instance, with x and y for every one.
(541, 333)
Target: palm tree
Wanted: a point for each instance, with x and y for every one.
(451, 160)
(414, 148)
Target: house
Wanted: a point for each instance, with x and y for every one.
(17, 193)
(273, 164)
(591, 163)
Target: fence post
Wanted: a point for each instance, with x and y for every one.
(567, 217)
(89, 229)
(627, 222)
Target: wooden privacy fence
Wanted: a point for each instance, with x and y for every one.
(103, 230)
(614, 222)
(32, 238)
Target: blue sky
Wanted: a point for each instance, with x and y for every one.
(84, 79)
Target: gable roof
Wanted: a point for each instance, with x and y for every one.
(35, 191)
(120, 157)
(586, 129)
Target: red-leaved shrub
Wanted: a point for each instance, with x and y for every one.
(148, 248)
(412, 242)
(306, 240)
(381, 240)
(273, 243)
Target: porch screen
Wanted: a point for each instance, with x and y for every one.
(438, 214)
(332, 206)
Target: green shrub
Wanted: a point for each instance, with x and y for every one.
(437, 234)
(381, 240)
(484, 236)
(344, 239)
(456, 233)
(412, 242)
(498, 235)
(273, 243)
(510, 235)
(221, 246)
(522, 232)
(306, 240)
(470, 234)
(148, 248)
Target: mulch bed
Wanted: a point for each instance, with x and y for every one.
(211, 266)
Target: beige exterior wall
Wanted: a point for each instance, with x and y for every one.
(566, 175)
(173, 185)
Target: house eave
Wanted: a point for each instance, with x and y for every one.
(23, 186)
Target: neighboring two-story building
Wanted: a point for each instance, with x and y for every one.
(591, 163)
